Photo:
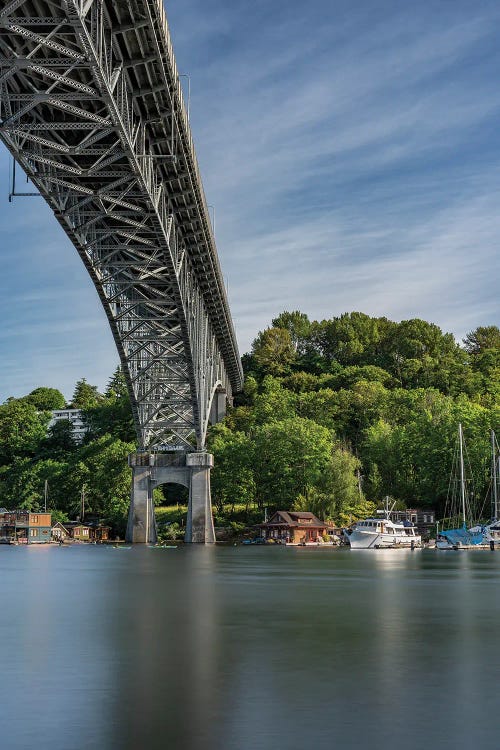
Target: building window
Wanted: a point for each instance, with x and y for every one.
(33, 532)
(35, 519)
(85, 532)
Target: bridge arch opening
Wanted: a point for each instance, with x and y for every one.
(149, 471)
(171, 508)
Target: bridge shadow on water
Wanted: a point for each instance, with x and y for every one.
(166, 651)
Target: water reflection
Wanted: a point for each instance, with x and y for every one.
(166, 656)
(51, 683)
(250, 649)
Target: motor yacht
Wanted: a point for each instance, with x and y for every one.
(381, 531)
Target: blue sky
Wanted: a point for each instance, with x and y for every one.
(351, 151)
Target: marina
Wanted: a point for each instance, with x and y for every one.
(470, 534)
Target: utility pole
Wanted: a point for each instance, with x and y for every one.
(358, 474)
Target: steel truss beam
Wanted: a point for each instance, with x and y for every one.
(101, 130)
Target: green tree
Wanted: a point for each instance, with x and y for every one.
(349, 339)
(273, 351)
(274, 403)
(323, 407)
(288, 457)
(336, 496)
(103, 467)
(22, 484)
(298, 326)
(60, 440)
(419, 354)
(46, 399)
(342, 483)
(22, 429)
(111, 414)
(117, 385)
(302, 382)
(232, 476)
(85, 395)
(482, 338)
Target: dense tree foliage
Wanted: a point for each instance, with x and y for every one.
(85, 396)
(46, 399)
(337, 414)
(334, 415)
(31, 453)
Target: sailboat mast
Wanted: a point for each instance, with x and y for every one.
(462, 473)
(494, 478)
(45, 493)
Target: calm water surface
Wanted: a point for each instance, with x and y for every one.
(248, 649)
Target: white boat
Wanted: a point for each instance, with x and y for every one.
(380, 532)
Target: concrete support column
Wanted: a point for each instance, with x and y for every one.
(141, 526)
(219, 408)
(200, 524)
(150, 470)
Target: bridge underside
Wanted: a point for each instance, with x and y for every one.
(91, 107)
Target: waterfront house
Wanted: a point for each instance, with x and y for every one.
(25, 527)
(78, 531)
(98, 532)
(59, 532)
(93, 531)
(294, 527)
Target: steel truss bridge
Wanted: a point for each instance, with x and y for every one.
(91, 107)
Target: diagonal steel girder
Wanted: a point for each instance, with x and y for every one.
(102, 132)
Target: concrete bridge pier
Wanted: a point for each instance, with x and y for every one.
(200, 523)
(149, 470)
(141, 524)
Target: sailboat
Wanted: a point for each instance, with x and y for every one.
(461, 537)
(491, 532)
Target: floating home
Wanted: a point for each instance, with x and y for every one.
(25, 527)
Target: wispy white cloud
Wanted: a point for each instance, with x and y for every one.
(443, 265)
(351, 153)
(336, 184)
